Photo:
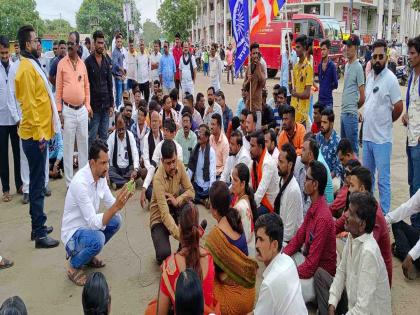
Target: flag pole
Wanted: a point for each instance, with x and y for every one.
(288, 44)
(250, 54)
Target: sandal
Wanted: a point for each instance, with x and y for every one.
(95, 263)
(78, 277)
(7, 197)
(5, 263)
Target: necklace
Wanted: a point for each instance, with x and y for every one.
(74, 64)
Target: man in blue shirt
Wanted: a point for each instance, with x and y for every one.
(327, 74)
(167, 70)
(118, 69)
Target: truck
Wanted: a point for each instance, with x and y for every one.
(316, 27)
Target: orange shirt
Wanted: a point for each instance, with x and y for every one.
(296, 140)
(72, 86)
(221, 147)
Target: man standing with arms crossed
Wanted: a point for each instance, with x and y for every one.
(39, 123)
(73, 104)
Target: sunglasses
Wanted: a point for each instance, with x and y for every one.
(378, 56)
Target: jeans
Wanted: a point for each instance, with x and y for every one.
(118, 92)
(86, 243)
(200, 193)
(24, 170)
(36, 160)
(206, 69)
(75, 126)
(130, 84)
(378, 157)
(5, 133)
(413, 161)
(349, 129)
(98, 126)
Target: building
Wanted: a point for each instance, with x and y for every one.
(371, 19)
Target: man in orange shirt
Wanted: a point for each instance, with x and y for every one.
(293, 132)
(73, 104)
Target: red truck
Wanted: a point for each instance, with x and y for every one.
(271, 38)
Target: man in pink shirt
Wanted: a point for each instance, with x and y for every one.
(73, 104)
(229, 60)
(219, 143)
(177, 53)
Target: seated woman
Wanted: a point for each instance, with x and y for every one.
(234, 285)
(243, 201)
(189, 294)
(190, 255)
(95, 297)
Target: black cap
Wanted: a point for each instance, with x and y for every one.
(353, 40)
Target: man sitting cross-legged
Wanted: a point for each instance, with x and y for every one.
(84, 231)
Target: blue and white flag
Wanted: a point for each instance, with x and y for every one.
(240, 25)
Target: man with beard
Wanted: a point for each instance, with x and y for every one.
(101, 93)
(35, 96)
(237, 154)
(383, 106)
(187, 69)
(328, 141)
(85, 231)
(186, 137)
(212, 107)
(293, 132)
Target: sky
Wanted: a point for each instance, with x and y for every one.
(51, 9)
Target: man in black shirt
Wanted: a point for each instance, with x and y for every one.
(101, 96)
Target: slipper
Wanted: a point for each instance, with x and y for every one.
(96, 263)
(5, 263)
(6, 197)
(78, 277)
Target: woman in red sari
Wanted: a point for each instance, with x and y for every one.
(190, 255)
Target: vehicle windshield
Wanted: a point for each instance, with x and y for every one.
(332, 29)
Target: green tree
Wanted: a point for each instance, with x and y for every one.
(14, 14)
(151, 31)
(106, 15)
(175, 17)
(57, 27)
(416, 5)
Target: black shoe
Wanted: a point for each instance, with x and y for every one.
(25, 198)
(46, 242)
(49, 230)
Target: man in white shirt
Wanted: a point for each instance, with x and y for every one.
(362, 269)
(237, 154)
(187, 69)
(143, 71)
(169, 133)
(216, 68)
(288, 202)
(131, 64)
(264, 177)
(123, 154)
(212, 107)
(154, 61)
(85, 231)
(271, 143)
(280, 291)
(407, 237)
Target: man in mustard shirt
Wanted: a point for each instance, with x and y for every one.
(39, 123)
(303, 78)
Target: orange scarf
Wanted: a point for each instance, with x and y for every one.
(256, 176)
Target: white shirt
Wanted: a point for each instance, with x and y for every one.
(186, 70)
(146, 150)
(132, 66)
(215, 71)
(143, 68)
(157, 157)
(280, 291)
(291, 209)
(154, 59)
(377, 114)
(199, 169)
(275, 154)
(242, 156)
(269, 183)
(9, 109)
(413, 126)
(207, 115)
(81, 207)
(122, 156)
(408, 208)
(363, 274)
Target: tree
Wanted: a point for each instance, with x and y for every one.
(14, 14)
(151, 31)
(105, 15)
(416, 5)
(57, 26)
(175, 17)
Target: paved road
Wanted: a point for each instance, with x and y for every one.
(39, 275)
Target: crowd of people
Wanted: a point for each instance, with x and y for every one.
(285, 188)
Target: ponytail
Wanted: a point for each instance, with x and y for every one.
(234, 220)
(250, 193)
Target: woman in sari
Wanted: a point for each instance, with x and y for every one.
(243, 201)
(234, 285)
(190, 255)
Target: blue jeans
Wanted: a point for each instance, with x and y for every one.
(349, 129)
(118, 92)
(378, 157)
(200, 193)
(86, 243)
(206, 69)
(98, 126)
(36, 160)
(413, 161)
